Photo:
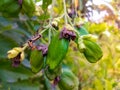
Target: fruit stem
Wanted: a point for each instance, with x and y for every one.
(43, 31)
(65, 12)
(25, 46)
(49, 36)
(51, 17)
(51, 13)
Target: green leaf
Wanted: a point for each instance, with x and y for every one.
(37, 0)
(5, 45)
(96, 28)
(48, 84)
(12, 74)
(108, 85)
(98, 84)
(13, 25)
(16, 30)
(15, 36)
(82, 31)
(46, 3)
(44, 16)
(21, 85)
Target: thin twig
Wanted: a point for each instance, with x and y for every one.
(65, 12)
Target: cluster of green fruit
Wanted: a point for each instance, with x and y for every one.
(57, 50)
(50, 58)
(13, 7)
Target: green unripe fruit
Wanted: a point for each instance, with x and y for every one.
(68, 81)
(36, 60)
(56, 51)
(86, 44)
(92, 52)
(52, 74)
